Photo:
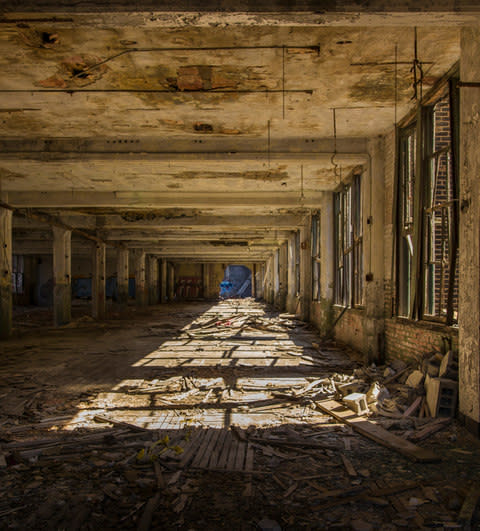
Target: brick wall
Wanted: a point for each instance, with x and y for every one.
(411, 341)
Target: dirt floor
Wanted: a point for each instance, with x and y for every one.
(212, 415)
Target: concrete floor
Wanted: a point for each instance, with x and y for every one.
(184, 375)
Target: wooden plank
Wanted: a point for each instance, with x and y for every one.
(469, 505)
(216, 452)
(413, 408)
(195, 441)
(146, 519)
(209, 449)
(250, 457)
(222, 460)
(232, 456)
(201, 449)
(240, 460)
(377, 433)
(348, 466)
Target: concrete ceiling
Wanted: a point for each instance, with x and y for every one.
(224, 119)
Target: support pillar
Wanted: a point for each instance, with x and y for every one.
(254, 280)
(205, 280)
(276, 278)
(327, 266)
(163, 281)
(62, 273)
(261, 281)
(305, 269)
(122, 277)
(98, 281)
(140, 278)
(373, 251)
(6, 299)
(153, 280)
(291, 280)
(469, 234)
(171, 282)
(282, 276)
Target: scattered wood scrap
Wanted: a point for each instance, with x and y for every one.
(377, 433)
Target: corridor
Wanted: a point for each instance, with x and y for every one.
(205, 416)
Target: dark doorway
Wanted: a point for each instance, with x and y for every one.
(236, 283)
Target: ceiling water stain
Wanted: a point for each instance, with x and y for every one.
(76, 71)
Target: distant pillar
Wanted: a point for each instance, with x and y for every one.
(122, 277)
(163, 283)
(205, 278)
(171, 282)
(98, 281)
(6, 300)
(282, 276)
(254, 281)
(153, 280)
(305, 270)
(62, 272)
(140, 292)
(291, 280)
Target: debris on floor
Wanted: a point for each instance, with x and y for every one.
(224, 415)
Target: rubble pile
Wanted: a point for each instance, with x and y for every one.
(233, 416)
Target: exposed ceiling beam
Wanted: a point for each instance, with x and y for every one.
(139, 199)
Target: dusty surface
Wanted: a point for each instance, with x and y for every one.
(180, 377)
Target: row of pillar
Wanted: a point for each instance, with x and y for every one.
(160, 286)
(287, 274)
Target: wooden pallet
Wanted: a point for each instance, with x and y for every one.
(217, 449)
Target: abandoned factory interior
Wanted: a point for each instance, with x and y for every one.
(239, 265)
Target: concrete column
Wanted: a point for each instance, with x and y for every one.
(254, 280)
(153, 280)
(327, 266)
(205, 280)
(291, 291)
(261, 281)
(469, 237)
(62, 274)
(163, 281)
(140, 278)
(171, 282)
(282, 275)
(6, 300)
(98, 281)
(373, 193)
(327, 247)
(276, 278)
(305, 269)
(122, 276)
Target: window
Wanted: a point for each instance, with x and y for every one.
(315, 257)
(405, 224)
(440, 218)
(348, 245)
(427, 215)
(17, 274)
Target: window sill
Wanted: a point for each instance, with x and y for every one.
(428, 325)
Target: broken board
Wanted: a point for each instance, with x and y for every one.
(377, 433)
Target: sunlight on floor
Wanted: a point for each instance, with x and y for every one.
(223, 368)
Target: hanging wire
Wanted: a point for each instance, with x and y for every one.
(417, 70)
(396, 82)
(332, 160)
(302, 195)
